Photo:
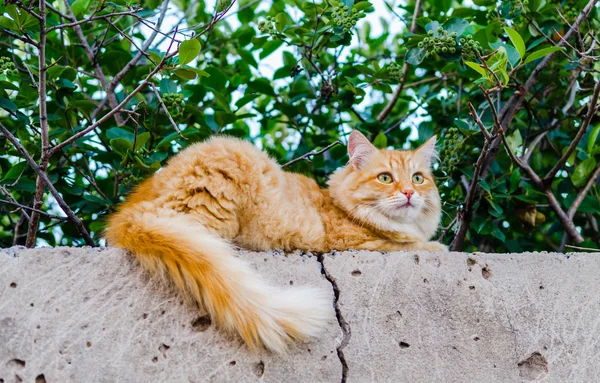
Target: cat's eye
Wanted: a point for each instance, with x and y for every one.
(418, 178)
(385, 178)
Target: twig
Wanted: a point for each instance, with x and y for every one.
(312, 153)
(12, 200)
(67, 210)
(164, 107)
(119, 76)
(482, 127)
(93, 18)
(582, 248)
(110, 94)
(24, 37)
(582, 129)
(38, 199)
(23, 207)
(388, 108)
(581, 195)
(120, 106)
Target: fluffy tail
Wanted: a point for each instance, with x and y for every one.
(203, 266)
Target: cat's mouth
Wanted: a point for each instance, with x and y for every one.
(406, 205)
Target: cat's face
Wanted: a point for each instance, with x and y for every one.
(388, 184)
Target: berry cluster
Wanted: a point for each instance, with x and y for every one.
(569, 11)
(394, 71)
(296, 70)
(344, 18)
(450, 153)
(267, 26)
(516, 7)
(7, 67)
(470, 47)
(443, 42)
(174, 103)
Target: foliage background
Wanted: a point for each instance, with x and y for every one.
(81, 117)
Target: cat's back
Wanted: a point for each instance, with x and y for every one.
(228, 158)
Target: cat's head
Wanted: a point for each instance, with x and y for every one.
(386, 187)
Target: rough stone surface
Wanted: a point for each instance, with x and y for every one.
(418, 317)
(90, 315)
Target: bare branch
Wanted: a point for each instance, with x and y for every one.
(581, 195)
(72, 217)
(312, 153)
(38, 199)
(11, 200)
(119, 76)
(110, 95)
(582, 129)
(581, 248)
(164, 107)
(390, 105)
(482, 127)
(24, 37)
(93, 18)
(118, 107)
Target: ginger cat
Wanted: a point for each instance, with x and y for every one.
(184, 220)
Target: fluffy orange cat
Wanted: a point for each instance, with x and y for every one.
(184, 220)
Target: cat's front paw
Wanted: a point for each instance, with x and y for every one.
(434, 246)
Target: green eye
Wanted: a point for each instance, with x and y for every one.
(418, 178)
(385, 178)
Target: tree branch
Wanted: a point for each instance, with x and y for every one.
(578, 137)
(312, 153)
(66, 209)
(119, 76)
(581, 195)
(38, 199)
(388, 108)
(110, 94)
(118, 107)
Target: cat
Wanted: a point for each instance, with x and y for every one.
(183, 222)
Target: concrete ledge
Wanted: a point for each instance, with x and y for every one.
(75, 315)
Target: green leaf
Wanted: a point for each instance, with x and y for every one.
(516, 39)
(199, 72)
(141, 140)
(7, 104)
(515, 180)
(515, 141)
(121, 145)
(185, 73)
(415, 56)
(14, 172)
(262, 85)
(476, 67)
(456, 25)
(188, 51)
(381, 141)
(7, 23)
(541, 53)
(80, 6)
(591, 144)
(583, 171)
(119, 132)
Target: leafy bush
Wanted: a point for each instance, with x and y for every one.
(96, 96)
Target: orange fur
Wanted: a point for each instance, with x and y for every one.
(182, 220)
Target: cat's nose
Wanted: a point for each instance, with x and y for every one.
(408, 193)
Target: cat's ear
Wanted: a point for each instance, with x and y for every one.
(427, 151)
(359, 149)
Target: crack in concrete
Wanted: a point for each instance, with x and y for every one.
(344, 326)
